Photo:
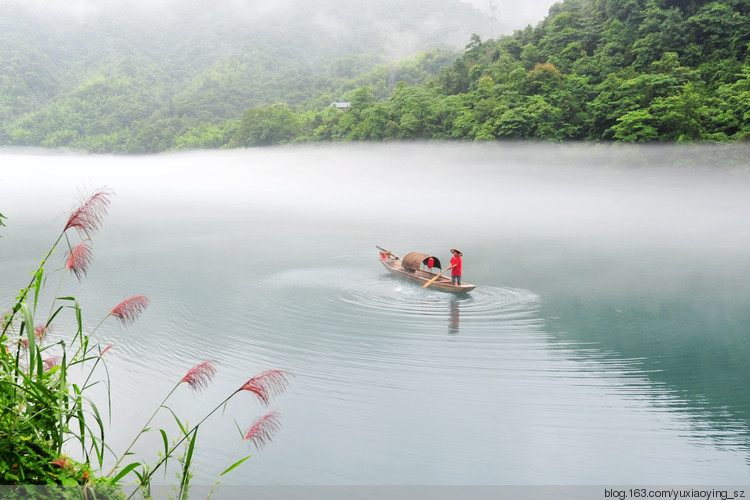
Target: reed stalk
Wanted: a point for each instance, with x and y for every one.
(44, 408)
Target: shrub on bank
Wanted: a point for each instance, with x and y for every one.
(44, 386)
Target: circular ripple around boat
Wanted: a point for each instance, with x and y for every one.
(347, 293)
(408, 298)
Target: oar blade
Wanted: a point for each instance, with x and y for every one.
(433, 280)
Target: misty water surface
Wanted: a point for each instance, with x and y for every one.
(606, 342)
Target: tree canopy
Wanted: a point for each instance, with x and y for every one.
(594, 70)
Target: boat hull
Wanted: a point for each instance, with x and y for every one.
(419, 276)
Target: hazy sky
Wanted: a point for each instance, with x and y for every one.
(515, 14)
(510, 14)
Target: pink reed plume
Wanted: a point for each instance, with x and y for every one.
(79, 259)
(50, 362)
(128, 310)
(266, 385)
(41, 330)
(88, 216)
(263, 429)
(199, 376)
(106, 349)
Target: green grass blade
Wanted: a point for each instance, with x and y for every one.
(184, 483)
(165, 440)
(37, 285)
(124, 472)
(234, 466)
(28, 325)
(100, 423)
(189, 456)
(177, 419)
(57, 311)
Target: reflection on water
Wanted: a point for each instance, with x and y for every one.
(688, 330)
(455, 315)
(606, 341)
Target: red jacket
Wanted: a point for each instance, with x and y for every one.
(456, 271)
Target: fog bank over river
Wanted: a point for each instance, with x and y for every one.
(606, 342)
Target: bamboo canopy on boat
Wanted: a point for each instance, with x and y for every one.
(413, 260)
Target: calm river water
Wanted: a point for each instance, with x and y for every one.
(607, 341)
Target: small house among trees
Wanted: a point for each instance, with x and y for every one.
(343, 106)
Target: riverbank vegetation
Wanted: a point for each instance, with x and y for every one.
(153, 78)
(53, 429)
(592, 70)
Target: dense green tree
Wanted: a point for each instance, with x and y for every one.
(322, 125)
(531, 56)
(266, 127)
(510, 46)
(113, 79)
(456, 79)
(413, 110)
(681, 117)
(563, 30)
(543, 79)
(615, 50)
(635, 126)
(626, 92)
(579, 75)
(206, 136)
(661, 31)
(365, 120)
(731, 112)
(461, 118)
(620, 70)
(719, 32)
(534, 119)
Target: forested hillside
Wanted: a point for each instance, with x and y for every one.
(612, 70)
(595, 70)
(135, 79)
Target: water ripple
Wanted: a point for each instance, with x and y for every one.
(348, 293)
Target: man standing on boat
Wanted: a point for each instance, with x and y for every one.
(456, 267)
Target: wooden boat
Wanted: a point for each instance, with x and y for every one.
(419, 267)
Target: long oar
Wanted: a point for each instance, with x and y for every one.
(436, 277)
